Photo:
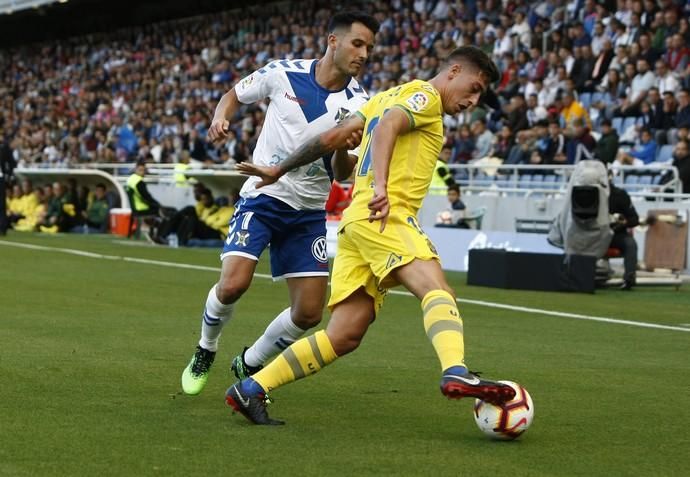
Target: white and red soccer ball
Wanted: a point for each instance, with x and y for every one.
(508, 421)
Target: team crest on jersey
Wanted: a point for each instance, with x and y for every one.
(245, 83)
(242, 238)
(318, 249)
(393, 260)
(341, 114)
(418, 101)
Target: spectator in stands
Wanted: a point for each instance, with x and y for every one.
(607, 145)
(483, 139)
(641, 82)
(583, 69)
(681, 161)
(517, 114)
(601, 65)
(535, 112)
(581, 144)
(645, 149)
(664, 118)
(454, 215)
(556, 145)
(624, 219)
(573, 111)
(683, 114)
(503, 142)
(463, 145)
(664, 79)
(677, 56)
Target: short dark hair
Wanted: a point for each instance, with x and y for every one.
(347, 18)
(100, 185)
(454, 187)
(478, 58)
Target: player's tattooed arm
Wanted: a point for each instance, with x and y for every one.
(345, 135)
(338, 137)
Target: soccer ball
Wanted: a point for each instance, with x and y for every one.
(508, 421)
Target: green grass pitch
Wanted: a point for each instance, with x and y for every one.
(91, 352)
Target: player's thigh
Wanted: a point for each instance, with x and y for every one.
(351, 272)
(350, 320)
(401, 243)
(422, 276)
(247, 238)
(299, 249)
(235, 277)
(307, 299)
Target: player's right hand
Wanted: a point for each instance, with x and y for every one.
(379, 207)
(218, 132)
(268, 174)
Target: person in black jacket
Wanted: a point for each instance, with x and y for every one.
(624, 217)
(6, 169)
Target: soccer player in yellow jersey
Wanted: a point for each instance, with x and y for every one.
(380, 243)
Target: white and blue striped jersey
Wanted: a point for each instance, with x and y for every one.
(299, 110)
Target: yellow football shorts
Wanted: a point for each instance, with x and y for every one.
(365, 256)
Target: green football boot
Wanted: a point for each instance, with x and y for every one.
(195, 375)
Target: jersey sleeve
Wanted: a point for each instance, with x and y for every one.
(364, 111)
(257, 86)
(421, 103)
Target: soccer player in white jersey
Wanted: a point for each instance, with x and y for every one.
(307, 97)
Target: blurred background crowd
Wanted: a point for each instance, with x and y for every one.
(580, 79)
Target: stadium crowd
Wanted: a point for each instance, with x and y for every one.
(607, 79)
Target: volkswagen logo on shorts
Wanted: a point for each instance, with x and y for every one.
(318, 249)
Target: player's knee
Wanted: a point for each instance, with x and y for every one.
(345, 344)
(307, 318)
(231, 289)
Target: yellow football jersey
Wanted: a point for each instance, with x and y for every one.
(414, 154)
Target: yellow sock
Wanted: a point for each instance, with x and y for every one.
(443, 326)
(302, 358)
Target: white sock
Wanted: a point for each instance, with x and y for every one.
(280, 334)
(215, 316)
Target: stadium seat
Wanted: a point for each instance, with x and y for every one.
(551, 181)
(632, 179)
(586, 100)
(525, 180)
(664, 154)
(645, 179)
(617, 124)
(627, 122)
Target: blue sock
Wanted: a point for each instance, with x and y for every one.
(456, 370)
(251, 387)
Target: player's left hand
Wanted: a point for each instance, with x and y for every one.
(354, 139)
(268, 174)
(379, 207)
